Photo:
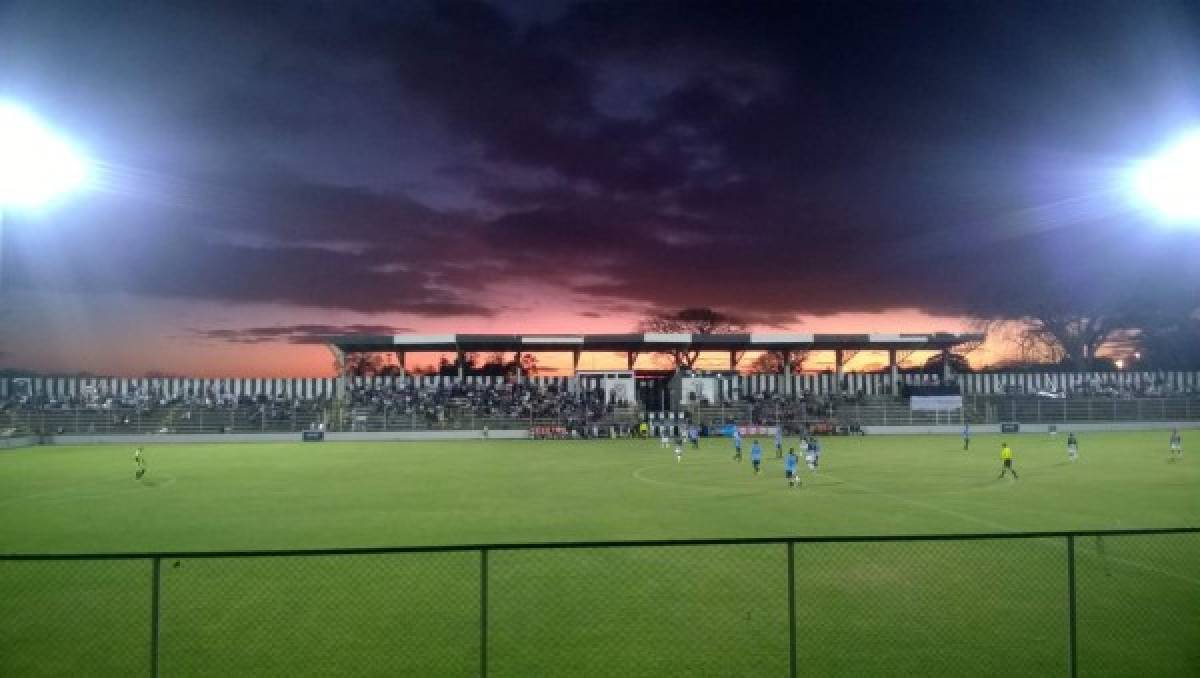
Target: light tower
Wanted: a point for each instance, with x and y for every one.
(36, 165)
(1169, 183)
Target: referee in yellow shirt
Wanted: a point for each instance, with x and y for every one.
(1006, 460)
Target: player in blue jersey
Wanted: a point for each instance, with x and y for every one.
(966, 435)
(737, 444)
(694, 436)
(814, 450)
(789, 468)
(756, 456)
(779, 442)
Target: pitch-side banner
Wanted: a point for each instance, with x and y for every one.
(942, 403)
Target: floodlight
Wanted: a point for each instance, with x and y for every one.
(36, 164)
(1170, 182)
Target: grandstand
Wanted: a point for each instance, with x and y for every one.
(100, 406)
(598, 403)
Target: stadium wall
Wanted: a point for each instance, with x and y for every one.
(210, 438)
(19, 441)
(732, 386)
(1081, 427)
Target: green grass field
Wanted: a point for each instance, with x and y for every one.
(928, 608)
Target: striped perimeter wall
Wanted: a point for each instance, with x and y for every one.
(733, 386)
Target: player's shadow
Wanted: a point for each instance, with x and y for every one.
(149, 483)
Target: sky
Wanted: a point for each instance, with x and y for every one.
(268, 173)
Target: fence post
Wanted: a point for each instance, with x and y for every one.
(792, 609)
(483, 611)
(154, 616)
(1072, 656)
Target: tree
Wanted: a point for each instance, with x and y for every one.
(771, 362)
(958, 364)
(363, 364)
(690, 321)
(1168, 342)
(1069, 337)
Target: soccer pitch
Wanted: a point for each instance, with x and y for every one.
(991, 607)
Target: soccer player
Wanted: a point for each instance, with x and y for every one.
(1006, 460)
(779, 442)
(1072, 446)
(666, 439)
(694, 436)
(809, 454)
(966, 435)
(756, 455)
(815, 446)
(737, 445)
(139, 464)
(679, 450)
(1176, 445)
(789, 468)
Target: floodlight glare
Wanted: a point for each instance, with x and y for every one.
(1170, 182)
(36, 165)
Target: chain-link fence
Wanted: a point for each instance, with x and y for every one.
(1062, 603)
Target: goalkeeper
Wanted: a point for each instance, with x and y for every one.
(139, 463)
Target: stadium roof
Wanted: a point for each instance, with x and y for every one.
(647, 342)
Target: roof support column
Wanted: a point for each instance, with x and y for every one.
(400, 360)
(575, 362)
(895, 371)
(787, 374)
(339, 361)
(733, 361)
(945, 365)
(461, 360)
(630, 359)
(839, 361)
(517, 362)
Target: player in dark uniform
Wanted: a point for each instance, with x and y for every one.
(1176, 445)
(1072, 447)
(139, 463)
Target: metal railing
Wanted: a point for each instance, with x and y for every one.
(1037, 603)
(871, 412)
(248, 420)
(998, 410)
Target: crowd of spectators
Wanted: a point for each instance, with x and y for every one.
(1109, 387)
(133, 409)
(436, 404)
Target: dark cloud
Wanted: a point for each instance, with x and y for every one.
(293, 334)
(770, 159)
